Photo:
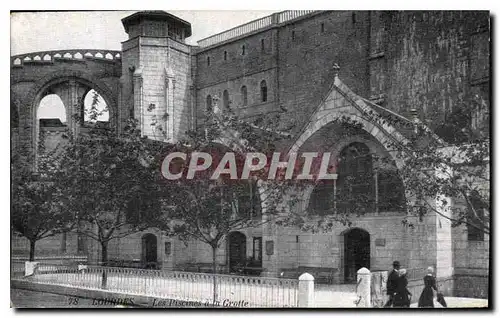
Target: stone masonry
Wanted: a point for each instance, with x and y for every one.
(316, 66)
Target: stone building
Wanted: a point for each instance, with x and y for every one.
(310, 66)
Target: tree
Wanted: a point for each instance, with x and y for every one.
(456, 175)
(36, 213)
(109, 179)
(110, 182)
(208, 209)
(448, 177)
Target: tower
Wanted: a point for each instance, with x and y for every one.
(156, 74)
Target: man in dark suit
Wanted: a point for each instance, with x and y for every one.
(392, 281)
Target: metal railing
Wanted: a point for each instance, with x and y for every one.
(252, 26)
(194, 287)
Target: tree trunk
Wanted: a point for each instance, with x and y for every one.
(104, 253)
(104, 262)
(32, 250)
(214, 271)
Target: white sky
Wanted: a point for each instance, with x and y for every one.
(40, 31)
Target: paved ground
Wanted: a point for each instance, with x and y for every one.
(20, 298)
(460, 302)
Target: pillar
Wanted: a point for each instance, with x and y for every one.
(363, 293)
(306, 290)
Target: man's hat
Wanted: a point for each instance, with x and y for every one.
(396, 264)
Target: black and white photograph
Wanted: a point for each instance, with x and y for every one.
(246, 159)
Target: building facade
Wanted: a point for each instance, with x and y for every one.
(312, 67)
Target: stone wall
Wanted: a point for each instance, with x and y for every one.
(434, 62)
(389, 240)
(156, 83)
(430, 60)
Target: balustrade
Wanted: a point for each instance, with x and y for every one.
(253, 26)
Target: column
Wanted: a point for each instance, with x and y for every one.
(270, 258)
(168, 116)
(363, 285)
(137, 108)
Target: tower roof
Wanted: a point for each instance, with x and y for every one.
(156, 15)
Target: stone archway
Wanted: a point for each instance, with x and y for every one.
(342, 103)
(31, 95)
(356, 252)
(149, 255)
(71, 90)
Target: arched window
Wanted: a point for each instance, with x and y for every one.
(390, 188)
(95, 110)
(355, 183)
(209, 103)
(262, 44)
(244, 97)
(355, 191)
(225, 55)
(243, 50)
(225, 99)
(248, 198)
(263, 91)
(208, 60)
(322, 200)
(51, 111)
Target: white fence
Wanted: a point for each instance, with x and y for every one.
(17, 264)
(239, 291)
(231, 290)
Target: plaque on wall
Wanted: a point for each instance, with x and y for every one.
(269, 247)
(379, 242)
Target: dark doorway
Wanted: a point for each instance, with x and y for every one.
(356, 253)
(237, 251)
(149, 251)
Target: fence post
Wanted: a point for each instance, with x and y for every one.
(30, 268)
(306, 290)
(363, 284)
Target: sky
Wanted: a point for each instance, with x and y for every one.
(41, 31)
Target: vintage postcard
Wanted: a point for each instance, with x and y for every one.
(250, 159)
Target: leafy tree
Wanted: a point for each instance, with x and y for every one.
(208, 209)
(433, 176)
(36, 213)
(449, 178)
(110, 182)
